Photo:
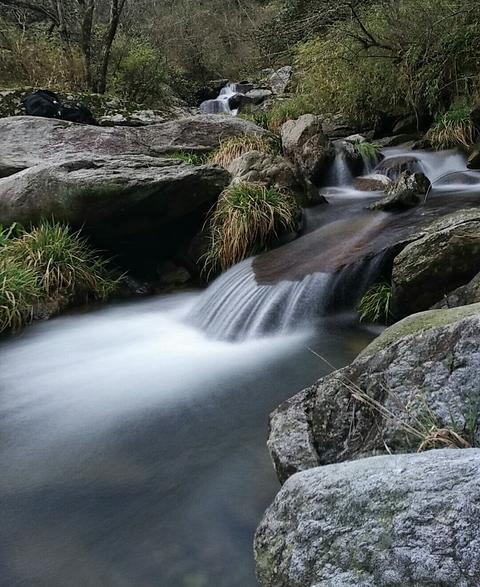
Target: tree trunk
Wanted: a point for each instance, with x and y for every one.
(116, 9)
(86, 26)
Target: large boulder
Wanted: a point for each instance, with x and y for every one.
(273, 170)
(27, 141)
(415, 386)
(278, 79)
(444, 258)
(305, 144)
(406, 192)
(392, 521)
(123, 189)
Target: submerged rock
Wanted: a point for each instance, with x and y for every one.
(444, 258)
(420, 377)
(406, 192)
(403, 521)
(305, 144)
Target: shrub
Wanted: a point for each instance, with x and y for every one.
(395, 57)
(48, 262)
(235, 147)
(376, 304)
(246, 219)
(453, 129)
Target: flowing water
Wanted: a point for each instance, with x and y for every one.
(132, 449)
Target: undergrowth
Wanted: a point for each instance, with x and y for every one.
(368, 151)
(48, 262)
(247, 217)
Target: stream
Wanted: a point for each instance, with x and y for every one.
(133, 436)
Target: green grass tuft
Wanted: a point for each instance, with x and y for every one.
(369, 151)
(453, 129)
(47, 263)
(376, 305)
(247, 217)
(188, 158)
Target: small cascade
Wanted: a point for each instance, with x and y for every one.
(228, 101)
(340, 173)
(236, 307)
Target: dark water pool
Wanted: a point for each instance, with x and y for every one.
(132, 448)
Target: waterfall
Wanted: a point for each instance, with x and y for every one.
(340, 173)
(228, 101)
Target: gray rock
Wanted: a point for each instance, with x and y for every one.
(27, 141)
(473, 161)
(278, 79)
(444, 258)
(123, 190)
(305, 144)
(259, 95)
(372, 183)
(392, 521)
(393, 167)
(462, 296)
(271, 169)
(396, 140)
(336, 126)
(422, 376)
(407, 124)
(406, 192)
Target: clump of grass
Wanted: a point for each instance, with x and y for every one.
(235, 147)
(376, 305)
(46, 263)
(453, 129)
(368, 151)
(188, 158)
(19, 290)
(260, 118)
(246, 218)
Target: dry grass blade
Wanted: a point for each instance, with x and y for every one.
(235, 147)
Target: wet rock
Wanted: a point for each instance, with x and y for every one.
(336, 126)
(396, 140)
(171, 274)
(444, 258)
(305, 144)
(406, 192)
(26, 141)
(473, 161)
(393, 167)
(372, 183)
(425, 365)
(403, 520)
(271, 169)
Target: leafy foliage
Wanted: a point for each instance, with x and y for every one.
(376, 304)
(188, 158)
(369, 151)
(247, 217)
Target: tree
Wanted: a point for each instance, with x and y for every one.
(89, 26)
